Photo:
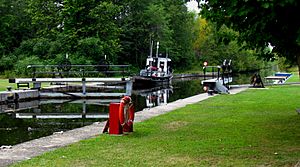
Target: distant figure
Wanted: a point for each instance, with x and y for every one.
(170, 70)
(159, 69)
(256, 81)
(152, 68)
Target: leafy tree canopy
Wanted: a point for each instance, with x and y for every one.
(211, 44)
(260, 23)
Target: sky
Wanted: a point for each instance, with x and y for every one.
(193, 6)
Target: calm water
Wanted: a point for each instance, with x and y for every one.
(35, 119)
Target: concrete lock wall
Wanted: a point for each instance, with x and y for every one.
(18, 95)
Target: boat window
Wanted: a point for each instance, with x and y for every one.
(162, 64)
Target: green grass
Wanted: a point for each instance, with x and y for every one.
(4, 83)
(294, 78)
(258, 127)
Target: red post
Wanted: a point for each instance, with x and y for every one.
(114, 123)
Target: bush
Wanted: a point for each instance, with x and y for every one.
(41, 47)
(9, 74)
(7, 62)
(91, 48)
(21, 65)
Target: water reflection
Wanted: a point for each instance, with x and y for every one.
(157, 97)
(187, 87)
(20, 122)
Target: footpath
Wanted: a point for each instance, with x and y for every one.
(30, 149)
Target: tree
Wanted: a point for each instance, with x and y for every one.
(89, 29)
(76, 27)
(45, 16)
(181, 24)
(14, 25)
(260, 23)
(166, 21)
(201, 32)
(212, 45)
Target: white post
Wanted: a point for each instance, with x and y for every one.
(128, 88)
(84, 109)
(83, 86)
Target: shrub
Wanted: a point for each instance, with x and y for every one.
(21, 65)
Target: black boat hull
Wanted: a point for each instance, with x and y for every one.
(150, 82)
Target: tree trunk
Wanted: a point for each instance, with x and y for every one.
(298, 62)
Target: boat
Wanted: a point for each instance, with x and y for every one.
(157, 72)
(279, 77)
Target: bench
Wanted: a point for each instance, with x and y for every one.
(23, 85)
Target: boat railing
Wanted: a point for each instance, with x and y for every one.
(222, 72)
(157, 73)
(214, 72)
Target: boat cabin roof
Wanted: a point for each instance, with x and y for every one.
(159, 59)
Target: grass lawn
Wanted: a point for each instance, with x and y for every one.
(258, 127)
(4, 83)
(294, 78)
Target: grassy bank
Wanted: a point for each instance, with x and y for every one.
(294, 78)
(4, 83)
(253, 128)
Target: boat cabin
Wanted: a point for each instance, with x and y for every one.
(157, 67)
(160, 64)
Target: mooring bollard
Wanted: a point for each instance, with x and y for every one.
(9, 88)
(121, 117)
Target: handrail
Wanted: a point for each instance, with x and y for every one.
(80, 69)
(226, 71)
(76, 65)
(213, 71)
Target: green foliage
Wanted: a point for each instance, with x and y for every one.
(7, 62)
(91, 48)
(80, 59)
(90, 29)
(260, 23)
(182, 24)
(165, 21)
(21, 65)
(45, 15)
(284, 64)
(214, 45)
(90, 19)
(14, 24)
(157, 19)
(41, 47)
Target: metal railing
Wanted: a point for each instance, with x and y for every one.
(67, 70)
(221, 72)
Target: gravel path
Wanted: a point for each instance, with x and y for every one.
(39, 146)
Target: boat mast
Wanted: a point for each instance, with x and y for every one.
(157, 47)
(167, 54)
(151, 48)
